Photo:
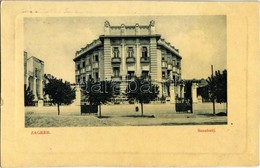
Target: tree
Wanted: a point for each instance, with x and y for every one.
(217, 86)
(59, 92)
(28, 96)
(142, 90)
(99, 92)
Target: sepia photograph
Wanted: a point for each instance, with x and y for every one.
(125, 71)
(124, 84)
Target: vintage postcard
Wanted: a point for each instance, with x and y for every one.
(129, 84)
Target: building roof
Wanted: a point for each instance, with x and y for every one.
(36, 59)
(95, 43)
(125, 31)
(167, 45)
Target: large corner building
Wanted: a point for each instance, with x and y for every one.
(127, 51)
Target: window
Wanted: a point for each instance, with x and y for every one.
(144, 52)
(96, 58)
(96, 75)
(130, 52)
(163, 58)
(178, 64)
(174, 62)
(84, 79)
(78, 79)
(130, 74)
(163, 74)
(145, 74)
(168, 73)
(116, 52)
(36, 72)
(83, 64)
(116, 71)
(78, 66)
(89, 77)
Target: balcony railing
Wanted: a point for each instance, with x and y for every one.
(174, 69)
(116, 60)
(116, 78)
(164, 64)
(169, 67)
(83, 70)
(95, 65)
(145, 59)
(130, 77)
(88, 68)
(130, 60)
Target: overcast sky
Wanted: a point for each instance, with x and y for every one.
(201, 40)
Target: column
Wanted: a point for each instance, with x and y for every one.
(170, 75)
(78, 96)
(182, 91)
(159, 65)
(138, 58)
(172, 98)
(160, 89)
(194, 93)
(123, 72)
(123, 59)
(179, 91)
(107, 59)
(153, 58)
(40, 89)
(34, 89)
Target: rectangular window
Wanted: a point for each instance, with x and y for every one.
(84, 79)
(116, 71)
(178, 64)
(116, 52)
(83, 64)
(96, 58)
(78, 66)
(36, 72)
(96, 75)
(130, 52)
(145, 74)
(144, 52)
(174, 63)
(163, 74)
(130, 74)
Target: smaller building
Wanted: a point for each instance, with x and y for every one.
(34, 75)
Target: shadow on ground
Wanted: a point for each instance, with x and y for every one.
(139, 116)
(193, 123)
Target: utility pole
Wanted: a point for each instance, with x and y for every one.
(213, 98)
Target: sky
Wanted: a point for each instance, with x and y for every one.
(201, 40)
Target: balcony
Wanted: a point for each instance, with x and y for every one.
(178, 71)
(116, 78)
(95, 65)
(88, 68)
(116, 60)
(174, 69)
(83, 70)
(145, 59)
(164, 64)
(130, 60)
(77, 72)
(169, 67)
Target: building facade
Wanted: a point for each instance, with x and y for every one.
(127, 51)
(34, 76)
